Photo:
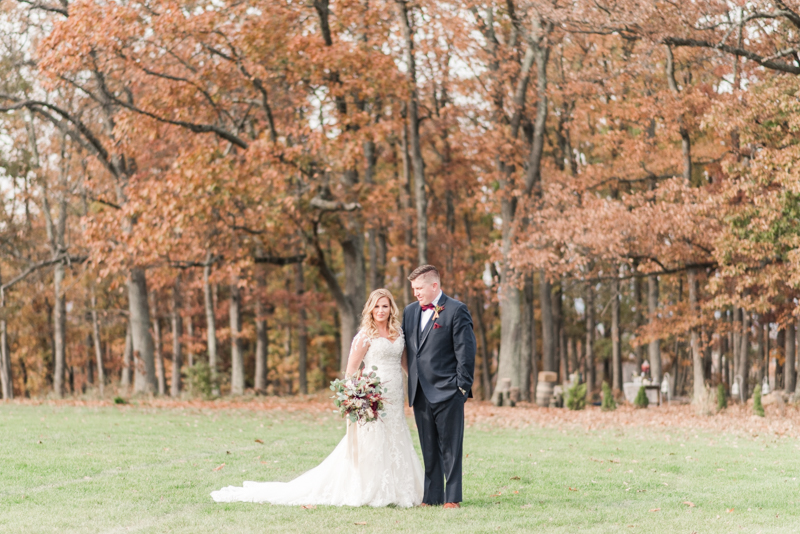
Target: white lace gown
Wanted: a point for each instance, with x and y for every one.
(374, 464)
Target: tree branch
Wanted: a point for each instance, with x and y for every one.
(765, 61)
(332, 205)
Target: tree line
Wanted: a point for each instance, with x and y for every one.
(205, 192)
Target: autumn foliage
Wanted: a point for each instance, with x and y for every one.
(221, 184)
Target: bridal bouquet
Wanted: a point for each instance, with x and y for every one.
(360, 397)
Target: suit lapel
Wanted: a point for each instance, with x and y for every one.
(429, 325)
(415, 327)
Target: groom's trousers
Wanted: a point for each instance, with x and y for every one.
(441, 437)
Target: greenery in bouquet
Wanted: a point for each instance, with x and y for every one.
(359, 398)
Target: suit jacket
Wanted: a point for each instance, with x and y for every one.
(440, 359)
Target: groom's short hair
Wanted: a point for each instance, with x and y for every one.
(426, 271)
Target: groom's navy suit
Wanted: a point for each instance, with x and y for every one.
(441, 359)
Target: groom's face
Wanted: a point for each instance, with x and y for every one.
(425, 289)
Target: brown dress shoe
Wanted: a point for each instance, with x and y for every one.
(452, 505)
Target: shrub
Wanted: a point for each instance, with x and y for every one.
(576, 397)
(609, 404)
(119, 400)
(758, 408)
(198, 378)
(641, 400)
(722, 399)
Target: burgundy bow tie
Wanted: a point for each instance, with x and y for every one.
(426, 307)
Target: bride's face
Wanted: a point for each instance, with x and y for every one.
(382, 310)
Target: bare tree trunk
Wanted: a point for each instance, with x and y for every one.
(764, 364)
(794, 374)
(508, 368)
(486, 371)
(572, 354)
(698, 382)
(638, 319)
(477, 309)
(528, 342)
(744, 353)
(144, 369)
(548, 324)
(189, 320)
(59, 330)
(408, 233)
(654, 348)
(127, 358)
(413, 128)
(563, 366)
(6, 378)
(237, 353)
(262, 340)
(98, 351)
(302, 330)
(158, 339)
(211, 326)
(736, 343)
(789, 371)
(177, 332)
(616, 346)
(558, 321)
(590, 366)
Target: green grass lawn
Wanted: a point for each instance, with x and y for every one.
(130, 468)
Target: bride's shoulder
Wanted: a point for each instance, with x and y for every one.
(362, 339)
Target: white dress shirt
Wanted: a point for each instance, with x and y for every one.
(426, 315)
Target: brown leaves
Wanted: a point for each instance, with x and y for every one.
(219, 467)
(654, 510)
(259, 441)
(690, 504)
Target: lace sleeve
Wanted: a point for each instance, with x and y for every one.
(361, 341)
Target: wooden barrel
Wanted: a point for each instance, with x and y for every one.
(544, 391)
(548, 376)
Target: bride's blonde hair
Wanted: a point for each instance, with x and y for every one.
(368, 326)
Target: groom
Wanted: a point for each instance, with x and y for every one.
(441, 368)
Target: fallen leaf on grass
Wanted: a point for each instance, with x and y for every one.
(219, 467)
(655, 510)
(308, 506)
(729, 510)
(496, 494)
(690, 504)
(516, 492)
(514, 478)
(573, 489)
(259, 441)
(361, 523)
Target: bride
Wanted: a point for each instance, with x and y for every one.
(375, 464)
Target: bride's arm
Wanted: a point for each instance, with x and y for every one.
(358, 350)
(404, 362)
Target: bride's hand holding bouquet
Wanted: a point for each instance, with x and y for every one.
(359, 397)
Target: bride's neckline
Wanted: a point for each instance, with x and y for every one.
(390, 340)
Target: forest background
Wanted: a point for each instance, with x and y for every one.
(198, 196)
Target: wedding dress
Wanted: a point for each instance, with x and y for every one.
(375, 464)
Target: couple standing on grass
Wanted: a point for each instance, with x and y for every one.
(375, 464)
